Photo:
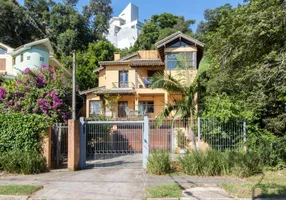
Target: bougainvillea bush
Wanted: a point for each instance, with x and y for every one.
(41, 91)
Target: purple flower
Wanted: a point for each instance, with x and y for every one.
(18, 93)
(35, 110)
(40, 80)
(2, 93)
(27, 88)
(27, 71)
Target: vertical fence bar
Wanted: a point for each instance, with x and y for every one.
(199, 133)
(244, 134)
(82, 163)
(173, 138)
(146, 135)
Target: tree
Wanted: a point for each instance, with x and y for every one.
(87, 61)
(15, 28)
(39, 91)
(180, 83)
(159, 27)
(246, 47)
(99, 12)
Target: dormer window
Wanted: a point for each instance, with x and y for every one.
(180, 60)
(28, 57)
(42, 59)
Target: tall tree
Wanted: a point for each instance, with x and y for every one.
(15, 28)
(159, 27)
(247, 79)
(99, 12)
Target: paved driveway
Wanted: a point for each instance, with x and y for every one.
(102, 183)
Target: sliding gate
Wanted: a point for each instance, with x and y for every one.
(114, 143)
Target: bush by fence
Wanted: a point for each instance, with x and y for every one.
(23, 132)
(20, 143)
(209, 163)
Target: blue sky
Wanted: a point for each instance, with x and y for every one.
(190, 9)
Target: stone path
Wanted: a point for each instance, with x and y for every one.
(102, 183)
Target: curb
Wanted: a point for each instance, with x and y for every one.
(12, 197)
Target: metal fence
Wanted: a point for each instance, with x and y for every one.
(179, 136)
(59, 144)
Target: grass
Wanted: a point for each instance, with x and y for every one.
(168, 190)
(269, 184)
(18, 190)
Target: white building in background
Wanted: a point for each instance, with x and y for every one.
(125, 29)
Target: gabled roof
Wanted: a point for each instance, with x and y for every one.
(128, 56)
(4, 46)
(24, 47)
(175, 36)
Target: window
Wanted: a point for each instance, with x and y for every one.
(22, 57)
(14, 61)
(28, 57)
(3, 51)
(42, 59)
(146, 106)
(180, 60)
(180, 44)
(123, 79)
(94, 107)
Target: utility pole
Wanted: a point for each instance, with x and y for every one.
(73, 87)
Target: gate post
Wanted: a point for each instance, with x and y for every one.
(146, 136)
(82, 163)
(73, 145)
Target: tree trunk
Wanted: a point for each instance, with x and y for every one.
(191, 137)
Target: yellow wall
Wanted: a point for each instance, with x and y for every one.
(101, 78)
(112, 75)
(148, 54)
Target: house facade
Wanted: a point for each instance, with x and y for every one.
(124, 87)
(32, 55)
(124, 30)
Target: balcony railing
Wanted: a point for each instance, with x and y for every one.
(146, 81)
(123, 84)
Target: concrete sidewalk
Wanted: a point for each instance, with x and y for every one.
(102, 183)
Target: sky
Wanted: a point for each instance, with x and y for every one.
(190, 9)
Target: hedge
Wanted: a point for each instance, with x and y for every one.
(22, 131)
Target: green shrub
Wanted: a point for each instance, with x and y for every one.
(159, 162)
(214, 163)
(209, 163)
(23, 162)
(22, 131)
(244, 164)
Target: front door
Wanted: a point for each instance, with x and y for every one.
(123, 79)
(122, 108)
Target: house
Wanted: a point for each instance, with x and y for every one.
(128, 79)
(124, 30)
(32, 55)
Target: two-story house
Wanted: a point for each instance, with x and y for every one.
(128, 79)
(32, 55)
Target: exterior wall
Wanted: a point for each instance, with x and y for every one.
(130, 13)
(102, 78)
(112, 74)
(9, 63)
(34, 61)
(148, 54)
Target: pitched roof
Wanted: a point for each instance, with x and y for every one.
(24, 47)
(176, 35)
(128, 56)
(135, 62)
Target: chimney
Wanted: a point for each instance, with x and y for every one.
(116, 56)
